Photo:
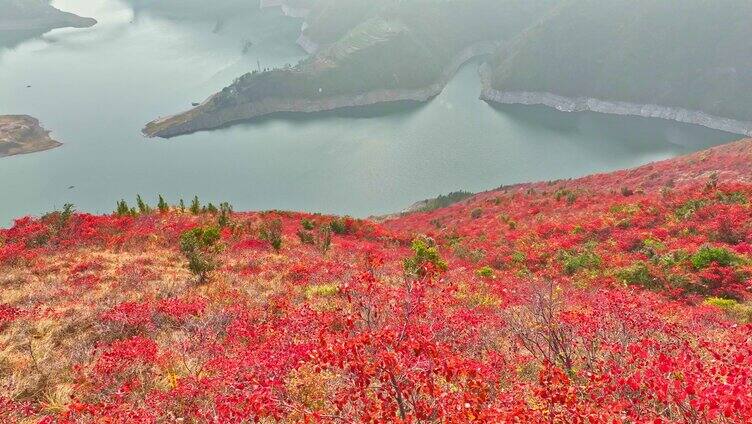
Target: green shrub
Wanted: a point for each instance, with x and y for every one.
(508, 220)
(162, 205)
(324, 241)
(689, 208)
(425, 252)
(719, 302)
(567, 194)
(225, 213)
(64, 216)
(306, 237)
(710, 255)
(271, 231)
(143, 208)
(575, 262)
(122, 209)
(741, 312)
(199, 238)
(519, 257)
(57, 221)
(638, 275)
(195, 206)
(625, 208)
(651, 247)
(338, 226)
(321, 290)
(485, 272)
(199, 246)
(307, 224)
(735, 197)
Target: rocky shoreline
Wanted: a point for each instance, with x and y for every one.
(198, 119)
(22, 134)
(583, 104)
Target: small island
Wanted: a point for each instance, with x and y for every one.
(22, 134)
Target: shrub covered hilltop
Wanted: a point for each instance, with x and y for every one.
(616, 298)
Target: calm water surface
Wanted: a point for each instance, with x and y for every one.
(96, 87)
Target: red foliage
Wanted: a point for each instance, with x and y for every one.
(578, 301)
(7, 314)
(126, 353)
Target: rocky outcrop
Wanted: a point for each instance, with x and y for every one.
(205, 118)
(21, 134)
(581, 104)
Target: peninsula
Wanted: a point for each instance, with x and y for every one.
(24, 19)
(21, 134)
(365, 53)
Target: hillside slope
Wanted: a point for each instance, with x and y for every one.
(691, 55)
(619, 297)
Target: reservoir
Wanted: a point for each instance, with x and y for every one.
(95, 88)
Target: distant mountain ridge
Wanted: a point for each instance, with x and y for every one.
(685, 60)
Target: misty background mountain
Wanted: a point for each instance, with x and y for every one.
(692, 54)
